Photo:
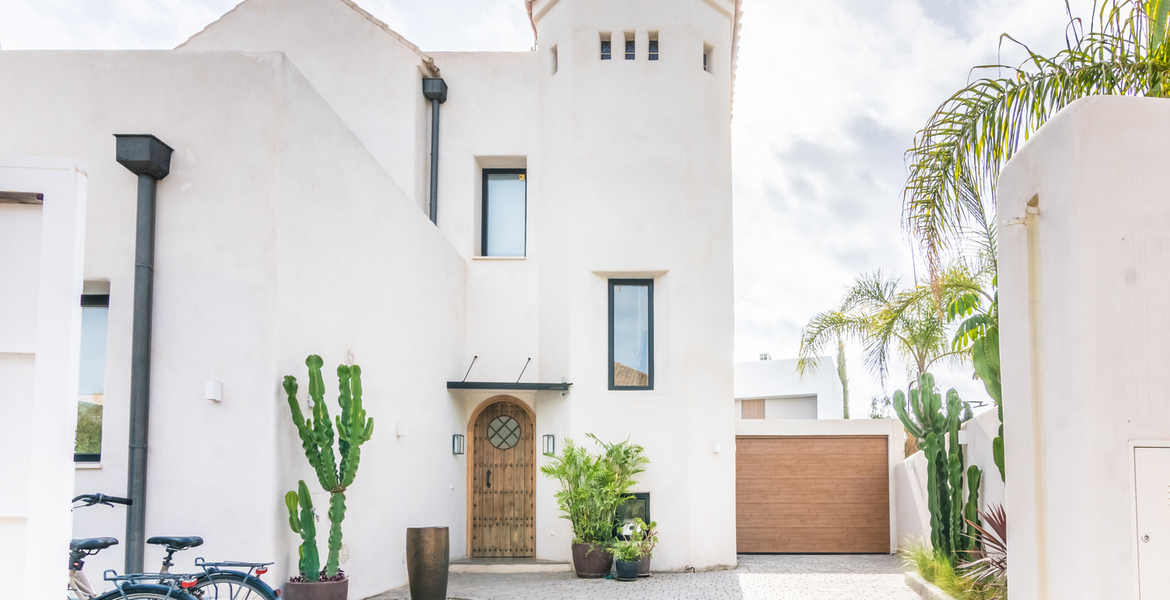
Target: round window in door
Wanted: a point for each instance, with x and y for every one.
(503, 432)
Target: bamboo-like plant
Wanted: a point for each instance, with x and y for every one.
(317, 437)
(594, 486)
(956, 158)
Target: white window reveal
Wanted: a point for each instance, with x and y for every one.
(95, 316)
(707, 50)
(554, 60)
(505, 212)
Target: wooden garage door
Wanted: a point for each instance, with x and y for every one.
(812, 494)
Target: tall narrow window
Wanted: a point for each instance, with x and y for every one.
(505, 207)
(631, 334)
(707, 49)
(631, 47)
(606, 49)
(554, 60)
(95, 313)
(653, 55)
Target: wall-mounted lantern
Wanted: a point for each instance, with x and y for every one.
(458, 444)
(549, 444)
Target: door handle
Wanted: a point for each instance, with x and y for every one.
(489, 478)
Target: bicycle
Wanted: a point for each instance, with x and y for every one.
(217, 581)
(126, 587)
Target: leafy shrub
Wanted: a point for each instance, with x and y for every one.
(593, 486)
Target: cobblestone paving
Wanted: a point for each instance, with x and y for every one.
(821, 577)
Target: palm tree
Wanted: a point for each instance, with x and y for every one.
(884, 319)
(956, 158)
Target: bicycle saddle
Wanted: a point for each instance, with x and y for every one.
(176, 543)
(92, 543)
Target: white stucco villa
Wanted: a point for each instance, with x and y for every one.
(538, 238)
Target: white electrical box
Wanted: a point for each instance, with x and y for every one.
(1152, 493)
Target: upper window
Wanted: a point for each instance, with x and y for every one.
(95, 314)
(653, 46)
(505, 208)
(631, 47)
(707, 50)
(631, 334)
(606, 48)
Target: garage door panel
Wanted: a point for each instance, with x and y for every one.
(816, 540)
(816, 446)
(812, 494)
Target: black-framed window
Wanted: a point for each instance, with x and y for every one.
(606, 47)
(631, 334)
(505, 212)
(631, 47)
(653, 54)
(91, 385)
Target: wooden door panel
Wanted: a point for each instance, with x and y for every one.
(812, 494)
(502, 499)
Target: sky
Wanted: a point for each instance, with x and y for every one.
(828, 95)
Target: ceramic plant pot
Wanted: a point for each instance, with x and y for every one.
(644, 566)
(318, 590)
(591, 561)
(627, 570)
(428, 552)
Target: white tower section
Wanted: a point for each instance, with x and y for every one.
(636, 171)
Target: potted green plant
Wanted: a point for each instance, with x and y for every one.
(592, 488)
(317, 437)
(628, 555)
(646, 536)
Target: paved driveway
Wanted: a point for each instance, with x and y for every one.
(821, 577)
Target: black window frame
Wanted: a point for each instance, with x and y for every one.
(606, 49)
(631, 49)
(649, 283)
(483, 209)
(652, 49)
(90, 301)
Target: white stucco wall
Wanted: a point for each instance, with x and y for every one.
(41, 265)
(778, 382)
(1083, 342)
(265, 253)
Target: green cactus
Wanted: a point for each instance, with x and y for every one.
(971, 509)
(936, 425)
(303, 523)
(317, 434)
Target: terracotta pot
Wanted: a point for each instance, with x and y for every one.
(318, 590)
(428, 553)
(644, 567)
(591, 561)
(627, 570)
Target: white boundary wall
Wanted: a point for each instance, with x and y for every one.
(41, 258)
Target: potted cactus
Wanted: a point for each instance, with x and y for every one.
(317, 436)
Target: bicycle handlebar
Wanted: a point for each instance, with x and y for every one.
(92, 499)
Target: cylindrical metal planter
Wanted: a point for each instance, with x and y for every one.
(428, 554)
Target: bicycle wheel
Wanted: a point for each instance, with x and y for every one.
(231, 585)
(146, 591)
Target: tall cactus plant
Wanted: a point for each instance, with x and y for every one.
(317, 436)
(937, 431)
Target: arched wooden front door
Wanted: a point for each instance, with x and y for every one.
(503, 469)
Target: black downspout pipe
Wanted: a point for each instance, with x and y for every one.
(435, 90)
(150, 159)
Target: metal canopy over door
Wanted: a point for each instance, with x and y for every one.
(1152, 478)
(822, 494)
(502, 482)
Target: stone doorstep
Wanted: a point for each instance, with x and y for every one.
(925, 589)
(508, 565)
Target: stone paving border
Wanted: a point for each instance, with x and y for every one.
(925, 589)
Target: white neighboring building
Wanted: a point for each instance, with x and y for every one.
(772, 389)
(583, 197)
